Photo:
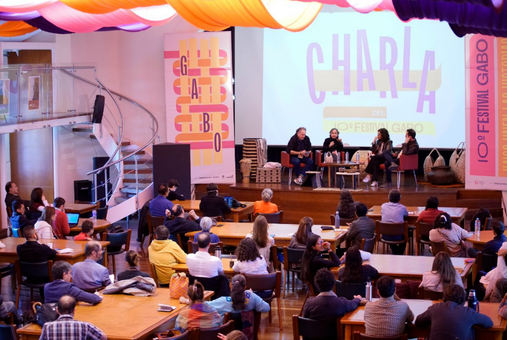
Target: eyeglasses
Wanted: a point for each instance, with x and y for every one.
(320, 242)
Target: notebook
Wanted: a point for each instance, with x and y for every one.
(73, 219)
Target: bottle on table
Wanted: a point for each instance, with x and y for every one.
(346, 157)
(94, 217)
(357, 157)
(368, 290)
(218, 252)
(338, 156)
(473, 303)
(477, 227)
(337, 220)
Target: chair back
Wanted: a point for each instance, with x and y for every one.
(428, 294)
(154, 222)
(218, 284)
(33, 270)
(437, 247)
(318, 158)
(360, 336)
(117, 241)
(392, 229)
(102, 213)
(485, 261)
(212, 333)
(368, 244)
(9, 212)
(487, 223)
(273, 257)
(34, 215)
(423, 231)
(285, 160)
(16, 232)
(409, 162)
(292, 256)
(182, 336)
(348, 290)
(192, 247)
(239, 323)
(271, 281)
(7, 332)
(316, 329)
(274, 217)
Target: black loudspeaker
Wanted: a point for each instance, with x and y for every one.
(172, 160)
(83, 191)
(99, 162)
(98, 109)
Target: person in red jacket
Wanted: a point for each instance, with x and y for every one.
(61, 223)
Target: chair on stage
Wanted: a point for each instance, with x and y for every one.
(274, 217)
(316, 329)
(422, 236)
(368, 244)
(407, 163)
(391, 229)
(285, 161)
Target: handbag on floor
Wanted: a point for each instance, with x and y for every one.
(429, 163)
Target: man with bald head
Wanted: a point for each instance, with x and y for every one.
(202, 264)
(89, 275)
(65, 327)
(164, 254)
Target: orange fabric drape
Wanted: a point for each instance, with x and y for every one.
(15, 28)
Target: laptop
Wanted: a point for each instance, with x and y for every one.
(73, 219)
(228, 200)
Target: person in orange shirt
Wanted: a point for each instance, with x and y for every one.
(265, 206)
(86, 232)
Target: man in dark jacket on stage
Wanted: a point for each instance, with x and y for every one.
(410, 147)
(299, 149)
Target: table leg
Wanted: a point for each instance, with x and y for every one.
(235, 217)
(329, 177)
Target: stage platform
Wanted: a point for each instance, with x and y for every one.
(296, 201)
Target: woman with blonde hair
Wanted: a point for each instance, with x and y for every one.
(261, 237)
(44, 224)
(441, 275)
(265, 206)
(300, 238)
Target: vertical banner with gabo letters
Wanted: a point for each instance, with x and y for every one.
(486, 112)
(198, 80)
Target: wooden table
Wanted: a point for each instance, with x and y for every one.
(457, 214)
(123, 317)
(232, 233)
(226, 262)
(406, 267)
(99, 228)
(354, 321)
(484, 237)
(236, 214)
(10, 255)
(79, 208)
(333, 166)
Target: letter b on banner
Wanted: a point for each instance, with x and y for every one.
(205, 122)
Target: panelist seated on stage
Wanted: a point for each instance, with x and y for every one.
(31, 250)
(18, 219)
(381, 144)
(327, 304)
(392, 159)
(160, 204)
(362, 227)
(333, 144)
(213, 205)
(173, 185)
(61, 223)
(89, 274)
(388, 315)
(202, 264)
(164, 254)
(265, 206)
(206, 224)
(451, 319)
(86, 232)
(181, 224)
(65, 327)
(441, 275)
(132, 258)
(299, 149)
(62, 276)
(491, 247)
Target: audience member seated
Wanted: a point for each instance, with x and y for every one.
(346, 207)
(38, 200)
(333, 144)
(234, 335)
(31, 250)
(66, 327)
(265, 206)
(502, 308)
(249, 260)
(132, 258)
(89, 275)
(206, 224)
(299, 240)
(386, 316)
(61, 223)
(362, 227)
(381, 144)
(18, 218)
(86, 232)
(354, 270)
(441, 275)
(409, 147)
(299, 149)
(44, 225)
(202, 264)
(431, 212)
(12, 195)
(199, 313)
(62, 276)
(262, 239)
(165, 253)
(491, 247)
(394, 212)
(181, 225)
(213, 205)
(173, 185)
(7, 307)
(160, 204)
(452, 234)
(241, 300)
(493, 293)
(312, 259)
(480, 214)
(451, 319)
(327, 304)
